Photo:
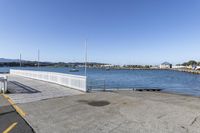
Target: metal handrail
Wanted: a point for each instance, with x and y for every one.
(97, 84)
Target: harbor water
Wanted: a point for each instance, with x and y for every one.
(168, 80)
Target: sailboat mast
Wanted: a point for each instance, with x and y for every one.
(20, 60)
(86, 57)
(38, 58)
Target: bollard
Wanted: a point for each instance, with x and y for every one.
(104, 85)
(1, 87)
(5, 86)
(3, 80)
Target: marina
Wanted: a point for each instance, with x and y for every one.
(99, 66)
(171, 81)
(49, 107)
(41, 97)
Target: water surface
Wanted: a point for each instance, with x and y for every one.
(168, 80)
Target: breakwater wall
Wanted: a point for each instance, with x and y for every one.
(188, 71)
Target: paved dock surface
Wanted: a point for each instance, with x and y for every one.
(10, 120)
(115, 112)
(54, 108)
(24, 90)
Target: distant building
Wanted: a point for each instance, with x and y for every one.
(165, 65)
(193, 67)
(106, 65)
(198, 68)
(179, 67)
(155, 67)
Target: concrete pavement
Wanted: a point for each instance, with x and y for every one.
(10, 120)
(24, 90)
(115, 112)
(54, 108)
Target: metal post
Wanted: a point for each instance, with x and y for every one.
(3, 82)
(5, 85)
(104, 85)
(86, 57)
(1, 89)
(38, 58)
(86, 63)
(20, 59)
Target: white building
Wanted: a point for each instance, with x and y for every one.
(197, 68)
(165, 65)
(107, 65)
(179, 67)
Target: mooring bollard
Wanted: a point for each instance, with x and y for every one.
(3, 84)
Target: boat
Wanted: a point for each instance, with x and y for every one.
(74, 70)
(107, 69)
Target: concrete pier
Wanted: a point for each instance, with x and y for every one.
(24, 90)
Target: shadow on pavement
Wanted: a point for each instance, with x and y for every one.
(8, 116)
(17, 87)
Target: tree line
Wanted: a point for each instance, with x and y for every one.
(190, 63)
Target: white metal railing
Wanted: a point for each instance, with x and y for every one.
(72, 81)
(3, 83)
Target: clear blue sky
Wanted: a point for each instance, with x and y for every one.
(118, 31)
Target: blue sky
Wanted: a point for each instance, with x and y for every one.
(118, 31)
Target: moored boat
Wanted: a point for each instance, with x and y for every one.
(74, 70)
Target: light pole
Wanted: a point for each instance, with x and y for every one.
(38, 58)
(20, 60)
(86, 57)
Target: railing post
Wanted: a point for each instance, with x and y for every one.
(1, 89)
(104, 85)
(5, 85)
(86, 87)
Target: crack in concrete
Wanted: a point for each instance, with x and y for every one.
(186, 129)
(195, 119)
(159, 117)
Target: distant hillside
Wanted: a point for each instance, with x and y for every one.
(4, 60)
(15, 62)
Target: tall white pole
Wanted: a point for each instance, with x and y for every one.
(20, 59)
(38, 58)
(86, 57)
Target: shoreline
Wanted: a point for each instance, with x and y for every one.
(145, 91)
(188, 71)
(172, 69)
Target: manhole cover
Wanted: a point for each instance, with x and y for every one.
(95, 103)
(98, 103)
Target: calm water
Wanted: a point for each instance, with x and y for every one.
(170, 81)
